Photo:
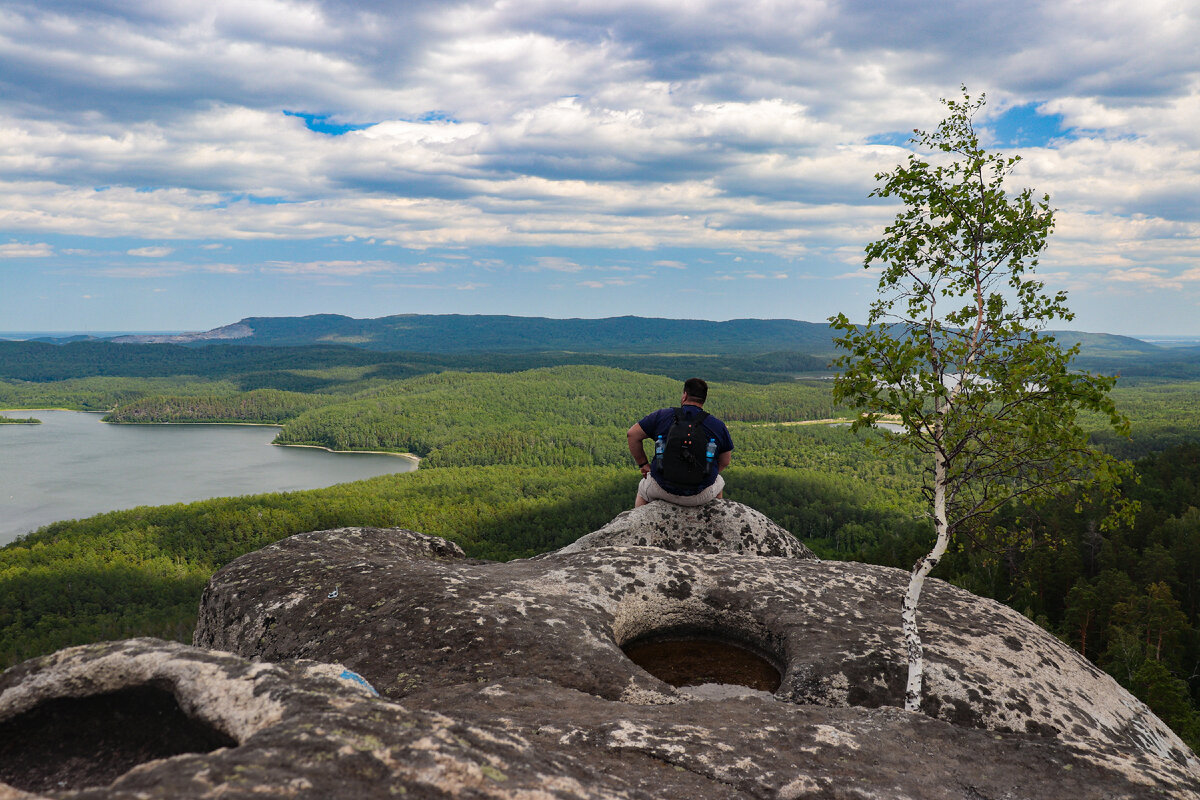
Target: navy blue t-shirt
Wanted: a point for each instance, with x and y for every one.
(659, 422)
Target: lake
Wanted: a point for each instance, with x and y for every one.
(73, 465)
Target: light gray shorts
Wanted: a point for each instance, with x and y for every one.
(649, 489)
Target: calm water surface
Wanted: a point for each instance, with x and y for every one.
(73, 465)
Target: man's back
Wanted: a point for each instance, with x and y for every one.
(660, 423)
(693, 433)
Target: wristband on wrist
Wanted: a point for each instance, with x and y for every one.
(644, 463)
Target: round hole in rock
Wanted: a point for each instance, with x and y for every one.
(78, 742)
(697, 659)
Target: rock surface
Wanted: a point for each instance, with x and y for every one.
(508, 680)
(721, 526)
(301, 731)
(297, 729)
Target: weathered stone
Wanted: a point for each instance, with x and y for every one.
(832, 628)
(721, 526)
(307, 730)
(509, 681)
(296, 729)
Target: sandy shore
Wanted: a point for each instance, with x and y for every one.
(243, 424)
(828, 421)
(409, 456)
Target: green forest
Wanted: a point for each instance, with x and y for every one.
(524, 453)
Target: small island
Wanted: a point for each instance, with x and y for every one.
(19, 421)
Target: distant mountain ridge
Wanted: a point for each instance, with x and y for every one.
(458, 333)
(238, 330)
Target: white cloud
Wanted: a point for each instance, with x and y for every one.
(25, 250)
(604, 284)
(873, 272)
(557, 264)
(1144, 278)
(1149, 279)
(150, 252)
(328, 269)
(165, 270)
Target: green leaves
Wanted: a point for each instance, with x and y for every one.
(953, 343)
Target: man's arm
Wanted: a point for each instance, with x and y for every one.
(636, 436)
(723, 460)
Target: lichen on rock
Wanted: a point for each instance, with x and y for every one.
(722, 526)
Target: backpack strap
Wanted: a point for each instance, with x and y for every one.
(703, 415)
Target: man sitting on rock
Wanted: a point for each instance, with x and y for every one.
(692, 447)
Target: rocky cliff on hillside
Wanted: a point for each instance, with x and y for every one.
(546, 678)
(238, 330)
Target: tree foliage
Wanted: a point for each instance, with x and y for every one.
(954, 345)
(260, 406)
(568, 415)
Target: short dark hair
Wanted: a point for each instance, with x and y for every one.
(696, 388)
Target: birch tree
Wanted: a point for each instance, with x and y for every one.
(955, 348)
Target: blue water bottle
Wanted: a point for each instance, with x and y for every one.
(659, 446)
(711, 450)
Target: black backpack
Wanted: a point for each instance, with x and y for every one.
(684, 462)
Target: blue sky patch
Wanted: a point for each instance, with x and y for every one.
(1023, 126)
(320, 123)
(896, 138)
(252, 199)
(437, 116)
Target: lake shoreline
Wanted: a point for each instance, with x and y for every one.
(888, 418)
(409, 456)
(200, 422)
(54, 408)
(71, 467)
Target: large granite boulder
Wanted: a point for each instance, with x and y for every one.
(518, 680)
(78, 726)
(721, 526)
(145, 718)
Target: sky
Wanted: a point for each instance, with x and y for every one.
(183, 164)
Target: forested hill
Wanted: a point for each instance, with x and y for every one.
(779, 348)
(457, 333)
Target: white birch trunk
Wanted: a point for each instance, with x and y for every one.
(912, 635)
